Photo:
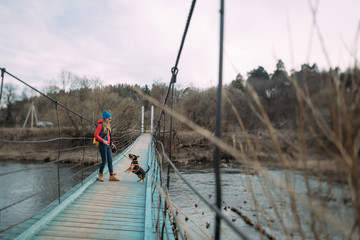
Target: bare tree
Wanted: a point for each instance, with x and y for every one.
(65, 79)
(9, 99)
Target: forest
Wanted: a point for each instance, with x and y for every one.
(301, 100)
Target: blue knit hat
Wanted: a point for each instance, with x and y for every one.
(106, 115)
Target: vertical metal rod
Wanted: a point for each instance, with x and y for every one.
(142, 119)
(58, 158)
(163, 139)
(165, 206)
(83, 157)
(170, 146)
(218, 123)
(170, 135)
(152, 121)
(3, 70)
(164, 129)
(32, 115)
(161, 186)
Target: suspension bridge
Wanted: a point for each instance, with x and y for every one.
(96, 210)
(111, 210)
(292, 205)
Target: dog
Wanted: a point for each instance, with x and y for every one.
(135, 168)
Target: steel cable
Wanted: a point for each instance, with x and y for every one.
(37, 167)
(218, 123)
(214, 208)
(2, 82)
(51, 183)
(174, 70)
(3, 70)
(41, 141)
(47, 152)
(157, 172)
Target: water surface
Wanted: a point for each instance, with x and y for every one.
(37, 183)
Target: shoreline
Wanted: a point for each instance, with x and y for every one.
(189, 149)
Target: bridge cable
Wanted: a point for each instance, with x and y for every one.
(161, 192)
(160, 208)
(2, 82)
(3, 70)
(83, 155)
(42, 141)
(59, 153)
(174, 72)
(43, 166)
(218, 122)
(211, 206)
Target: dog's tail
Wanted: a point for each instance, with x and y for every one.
(148, 169)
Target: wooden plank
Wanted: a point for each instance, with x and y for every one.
(128, 189)
(122, 202)
(115, 200)
(131, 187)
(101, 207)
(94, 217)
(133, 204)
(112, 210)
(66, 233)
(99, 215)
(119, 226)
(56, 238)
(116, 194)
(108, 221)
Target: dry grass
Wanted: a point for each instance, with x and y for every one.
(19, 145)
(325, 150)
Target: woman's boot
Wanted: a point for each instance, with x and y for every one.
(101, 179)
(113, 178)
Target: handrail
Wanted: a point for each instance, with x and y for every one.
(211, 206)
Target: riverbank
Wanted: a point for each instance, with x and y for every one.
(189, 148)
(42, 144)
(258, 148)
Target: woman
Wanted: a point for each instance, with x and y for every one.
(103, 135)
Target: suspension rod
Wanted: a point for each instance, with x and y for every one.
(218, 124)
(58, 163)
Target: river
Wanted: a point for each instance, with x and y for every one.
(33, 178)
(239, 188)
(272, 208)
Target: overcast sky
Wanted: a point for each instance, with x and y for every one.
(136, 41)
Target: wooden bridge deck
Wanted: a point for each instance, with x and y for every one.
(102, 210)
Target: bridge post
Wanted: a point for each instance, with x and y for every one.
(152, 120)
(142, 119)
